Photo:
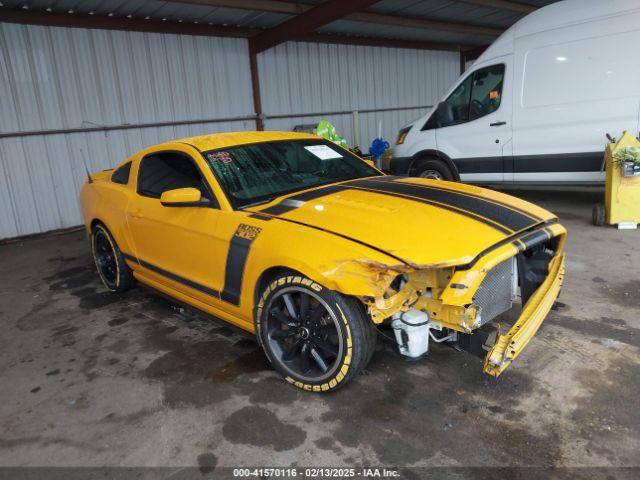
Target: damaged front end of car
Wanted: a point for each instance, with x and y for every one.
(461, 304)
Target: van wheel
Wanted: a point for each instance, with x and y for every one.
(317, 339)
(113, 270)
(433, 169)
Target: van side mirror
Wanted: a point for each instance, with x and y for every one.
(444, 114)
(183, 197)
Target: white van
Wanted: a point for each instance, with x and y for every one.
(537, 104)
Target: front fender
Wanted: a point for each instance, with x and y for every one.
(332, 261)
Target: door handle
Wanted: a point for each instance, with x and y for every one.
(136, 213)
(497, 124)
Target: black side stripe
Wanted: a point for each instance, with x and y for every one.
(234, 271)
(296, 201)
(172, 276)
(490, 200)
(506, 217)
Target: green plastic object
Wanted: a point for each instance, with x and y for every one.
(325, 129)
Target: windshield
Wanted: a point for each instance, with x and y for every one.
(256, 173)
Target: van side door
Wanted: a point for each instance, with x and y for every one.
(473, 125)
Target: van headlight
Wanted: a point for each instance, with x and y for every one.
(402, 134)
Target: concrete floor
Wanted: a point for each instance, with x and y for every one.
(94, 378)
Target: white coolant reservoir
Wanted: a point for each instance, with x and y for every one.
(412, 332)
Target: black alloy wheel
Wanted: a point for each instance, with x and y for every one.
(303, 334)
(112, 267)
(105, 257)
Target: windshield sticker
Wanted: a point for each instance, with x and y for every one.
(323, 152)
(224, 157)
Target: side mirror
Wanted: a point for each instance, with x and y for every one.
(183, 197)
(444, 114)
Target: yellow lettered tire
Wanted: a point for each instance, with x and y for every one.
(316, 338)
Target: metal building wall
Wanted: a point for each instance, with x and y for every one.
(59, 78)
(298, 78)
(68, 78)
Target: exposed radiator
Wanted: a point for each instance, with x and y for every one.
(497, 290)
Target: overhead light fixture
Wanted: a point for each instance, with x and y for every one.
(25, 7)
(180, 21)
(147, 17)
(164, 19)
(110, 14)
(70, 11)
(91, 12)
(129, 16)
(196, 22)
(49, 9)
(561, 59)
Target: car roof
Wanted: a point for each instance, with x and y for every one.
(216, 141)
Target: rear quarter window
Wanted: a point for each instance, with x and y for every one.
(121, 175)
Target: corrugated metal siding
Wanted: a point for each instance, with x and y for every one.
(307, 78)
(56, 78)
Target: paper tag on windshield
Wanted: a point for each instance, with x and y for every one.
(323, 152)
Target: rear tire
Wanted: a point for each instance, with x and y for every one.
(432, 169)
(112, 268)
(317, 339)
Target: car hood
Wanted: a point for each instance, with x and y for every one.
(418, 221)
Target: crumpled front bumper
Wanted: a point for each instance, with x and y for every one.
(508, 346)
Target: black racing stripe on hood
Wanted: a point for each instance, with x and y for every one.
(490, 200)
(522, 241)
(508, 218)
(533, 239)
(296, 201)
(459, 211)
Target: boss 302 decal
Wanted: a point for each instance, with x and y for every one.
(236, 261)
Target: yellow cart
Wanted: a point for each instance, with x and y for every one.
(622, 188)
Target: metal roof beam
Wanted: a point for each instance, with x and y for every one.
(277, 6)
(274, 6)
(306, 22)
(77, 20)
(417, 22)
(51, 19)
(378, 42)
(504, 5)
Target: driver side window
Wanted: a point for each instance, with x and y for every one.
(478, 95)
(458, 104)
(160, 172)
(486, 91)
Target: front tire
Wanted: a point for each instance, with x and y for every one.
(113, 270)
(317, 339)
(432, 169)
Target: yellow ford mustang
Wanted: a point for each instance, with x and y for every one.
(305, 244)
